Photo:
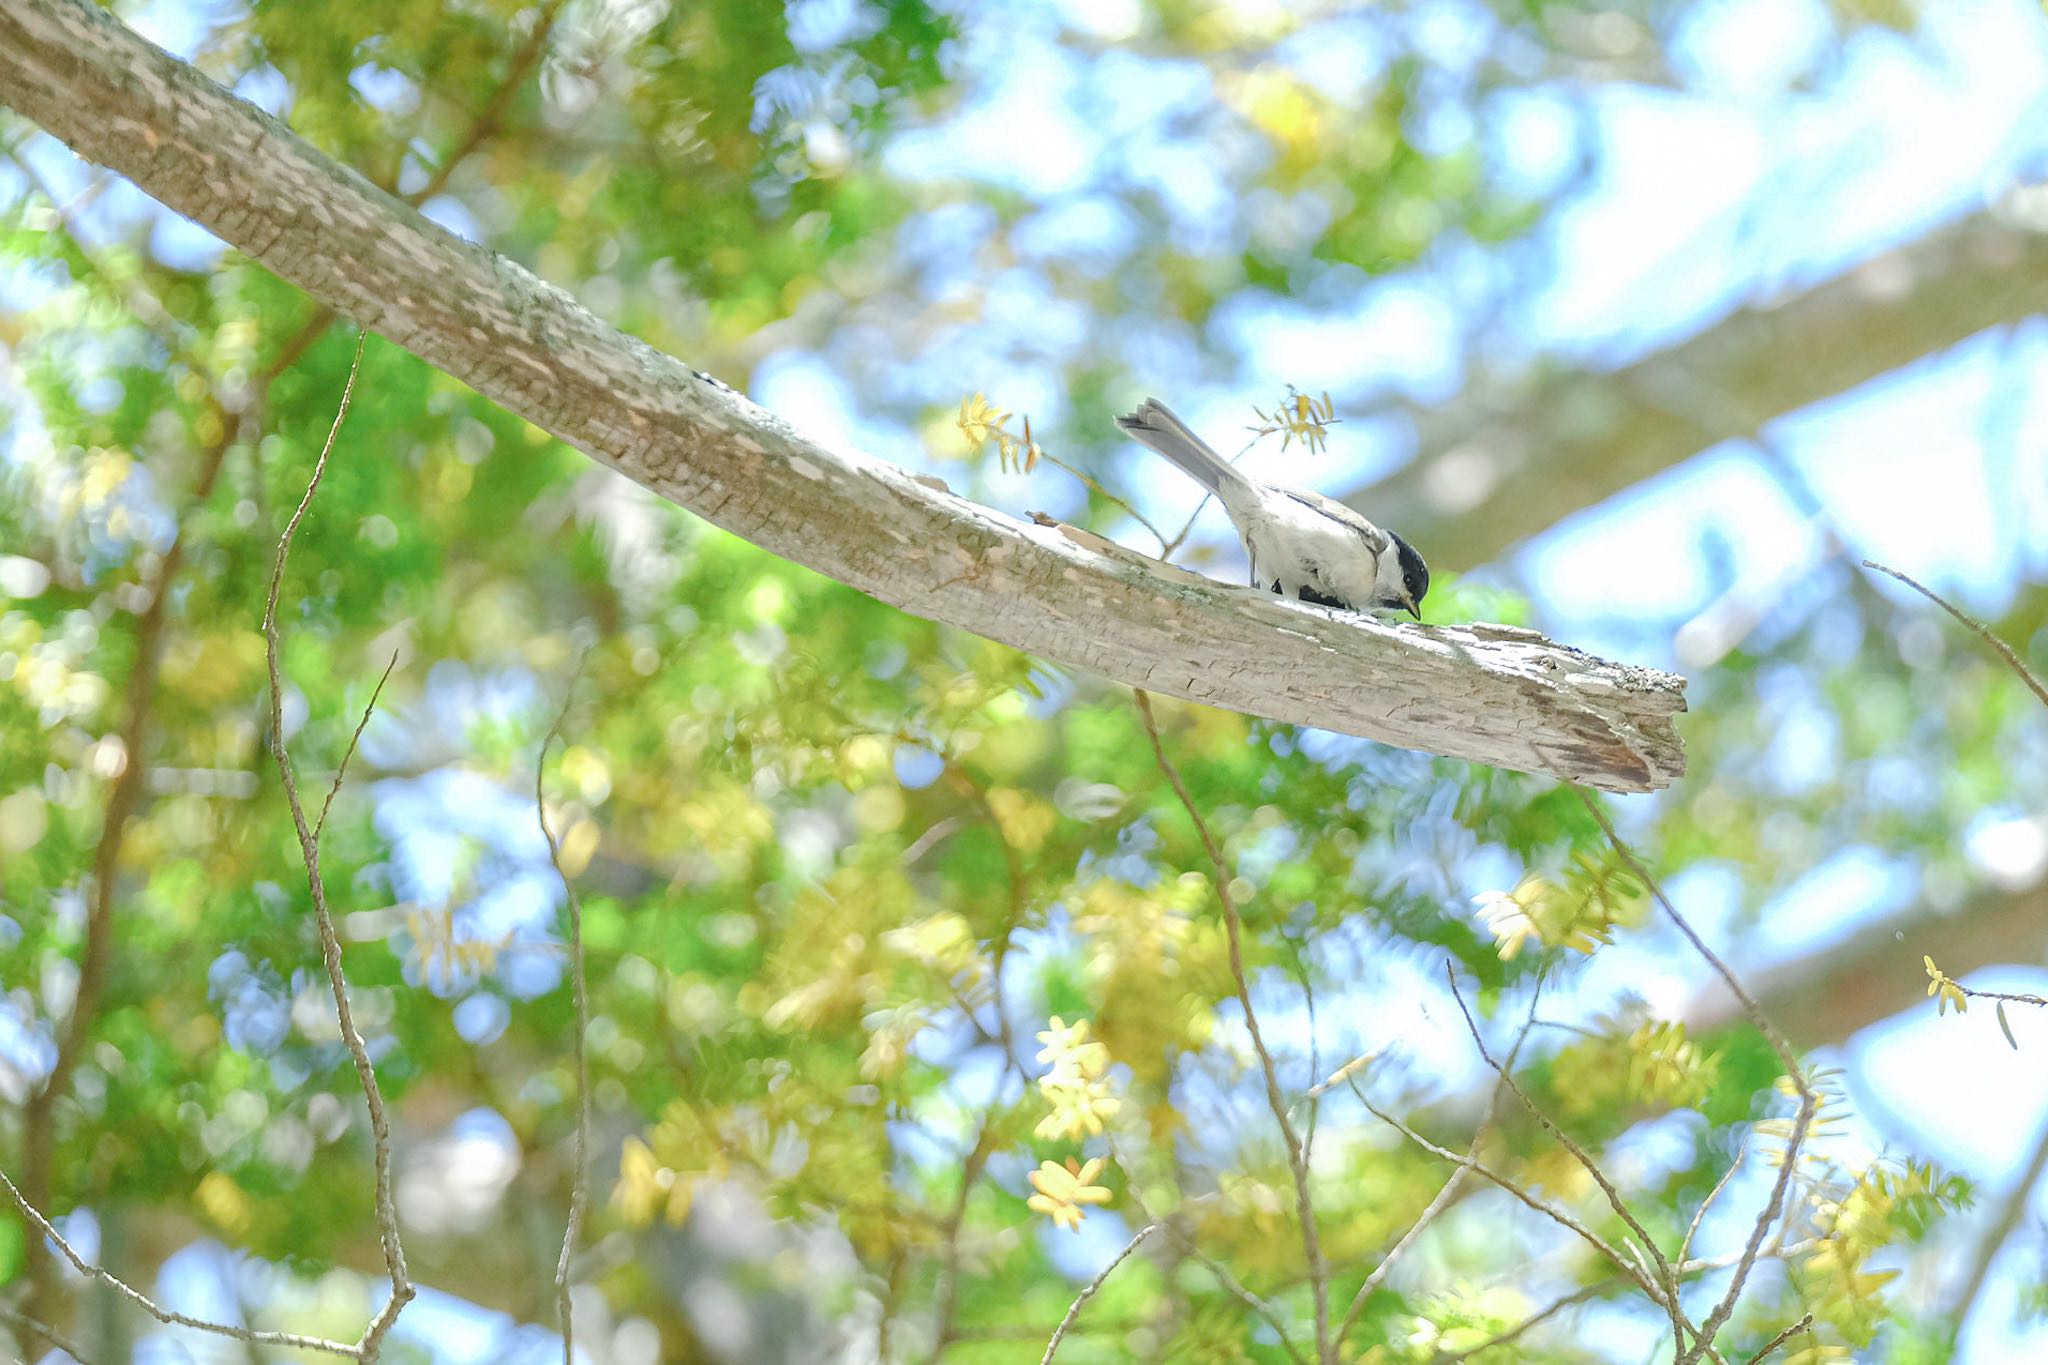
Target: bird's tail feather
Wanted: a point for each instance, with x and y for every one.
(1155, 427)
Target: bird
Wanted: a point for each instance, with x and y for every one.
(1300, 544)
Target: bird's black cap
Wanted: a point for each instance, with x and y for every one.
(1414, 574)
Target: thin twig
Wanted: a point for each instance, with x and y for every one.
(166, 1316)
(1337, 1077)
(1444, 1195)
(579, 1180)
(1231, 1284)
(341, 768)
(1095, 486)
(1088, 1292)
(37, 1328)
(144, 302)
(949, 1284)
(1318, 1271)
(2013, 1208)
(1699, 1214)
(1238, 1290)
(1679, 1325)
(1577, 1296)
(2017, 998)
(1315, 1061)
(1804, 1324)
(1982, 631)
(96, 953)
(1551, 1211)
(487, 119)
(1594, 1290)
(1808, 1100)
(402, 1290)
(1755, 1013)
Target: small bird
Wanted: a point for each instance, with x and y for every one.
(1301, 544)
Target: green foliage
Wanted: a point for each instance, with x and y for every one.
(838, 864)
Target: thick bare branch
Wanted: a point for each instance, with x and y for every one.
(1826, 996)
(1518, 458)
(1493, 695)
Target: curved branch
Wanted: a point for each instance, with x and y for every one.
(1493, 695)
(1513, 457)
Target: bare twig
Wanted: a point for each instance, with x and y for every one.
(144, 302)
(1336, 1078)
(1444, 1195)
(1682, 1269)
(341, 768)
(1315, 1060)
(2013, 1208)
(152, 625)
(1577, 1296)
(1467, 1161)
(1088, 1292)
(402, 1290)
(488, 118)
(1976, 627)
(1804, 1324)
(1094, 486)
(1013, 865)
(1238, 1290)
(1231, 1284)
(949, 1282)
(1699, 1214)
(166, 1316)
(2017, 998)
(1808, 1101)
(1680, 1326)
(39, 1329)
(1318, 1271)
(1168, 548)
(579, 1180)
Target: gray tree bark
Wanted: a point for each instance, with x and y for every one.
(1510, 459)
(1493, 695)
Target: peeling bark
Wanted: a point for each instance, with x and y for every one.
(1489, 694)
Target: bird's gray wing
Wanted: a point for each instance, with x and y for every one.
(1375, 538)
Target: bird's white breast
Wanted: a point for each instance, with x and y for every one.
(1288, 541)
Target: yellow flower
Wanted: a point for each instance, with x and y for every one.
(1950, 993)
(981, 420)
(1076, 1087)
(1068, 1050)
(1062, 1190)
(646, 1186)
(1079, 1109)
(1299, 417)
(1541, 910)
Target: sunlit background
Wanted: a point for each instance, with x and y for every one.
(1646, 323)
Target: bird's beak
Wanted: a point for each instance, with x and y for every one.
(1414, 611)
